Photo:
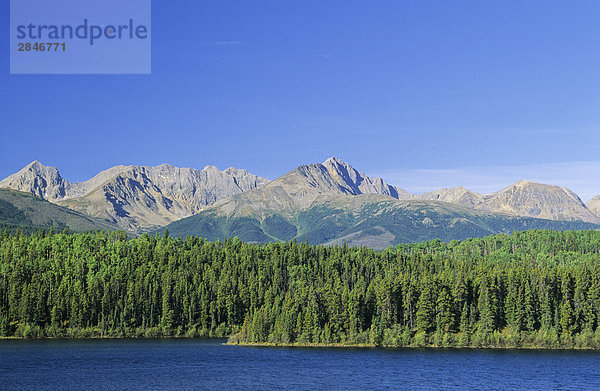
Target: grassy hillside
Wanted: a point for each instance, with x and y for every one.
(29, 213)
(365, 220)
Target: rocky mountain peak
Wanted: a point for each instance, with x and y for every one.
(210, 169)
(532, 188)
(522, 198)
(527, 198)
(136, 197)
(345, 175)
(140, 197)
(523, 183)
(38, 168)
(357, 182)
(35, 165)
(38, 179)
(337, 164)
(299, 188)
(334, 160)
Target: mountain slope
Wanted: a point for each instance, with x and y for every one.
(332, 202)
(26, 211)
(372, 220)
(142, 198)
(525, 198)
(136, 197)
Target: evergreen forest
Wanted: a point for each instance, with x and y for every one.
(536, 288)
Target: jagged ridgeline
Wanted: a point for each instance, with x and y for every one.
(135, 198)
(530, 289)
(334, 203)
(326, 203)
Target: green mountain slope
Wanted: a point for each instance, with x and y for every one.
(371, 220)
(28, 212)
(334, 203)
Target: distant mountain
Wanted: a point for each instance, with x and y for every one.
(135, 197)
(327, 202)
(299, 188)
(594, 205)
(39, 180)
(526, 198)
(456, 195)
(332, 202)
(523, 198)
(29, 213)
(336, 176)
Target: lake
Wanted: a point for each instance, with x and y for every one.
(208, 364)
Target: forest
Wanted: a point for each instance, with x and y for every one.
(531, 289)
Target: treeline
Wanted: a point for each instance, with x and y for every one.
(529, 289)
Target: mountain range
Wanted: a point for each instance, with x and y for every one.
(135, 198)
(523, 198)
(330, 202)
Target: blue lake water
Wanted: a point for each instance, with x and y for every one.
(208, 364)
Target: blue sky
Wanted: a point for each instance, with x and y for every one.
(423, 93)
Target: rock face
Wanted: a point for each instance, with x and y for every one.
(136, 197)
(39, 180)
(350, 181)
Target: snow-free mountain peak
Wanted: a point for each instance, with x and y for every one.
(454, 195)
(522, 198)
(135, 197)
(138, 198)
(594, 205)
(336, 177)
(331, 202)
(38, 179)
(527, 198)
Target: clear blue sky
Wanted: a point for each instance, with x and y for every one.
(424, 93)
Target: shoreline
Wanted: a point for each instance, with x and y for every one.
(370, 346)
(307, 345)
